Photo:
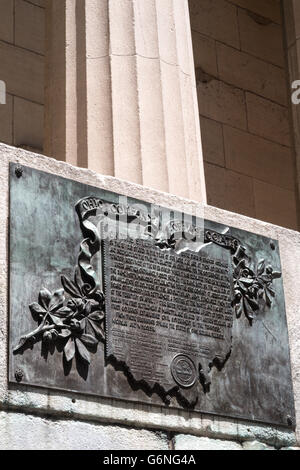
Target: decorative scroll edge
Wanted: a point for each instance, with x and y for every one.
(75, 324)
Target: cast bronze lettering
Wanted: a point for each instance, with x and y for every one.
(141, 303)
(155, 296)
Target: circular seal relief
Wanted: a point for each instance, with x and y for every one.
(183, 370)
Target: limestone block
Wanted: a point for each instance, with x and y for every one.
(23, 72)
(39, 3)
(19, 431)
(275, 204)
(290, 448)
(28, 123)
(267, 8)
(268, 119)
(215, 18)
(261, 38)
(249, 73)
(29, 26)
(264, 433)
(222, 102)
(205, 55)
(230, 190)
(188, 442)
(290, 256)
(256, 445)
(253, 156)
(7, 20)
(212, 141)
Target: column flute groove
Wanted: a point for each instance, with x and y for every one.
(125, 104)
(121, 95)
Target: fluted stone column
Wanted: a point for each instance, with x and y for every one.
(60, 139)
(121, 95)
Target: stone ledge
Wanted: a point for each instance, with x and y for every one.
(56, 404)
(23, 431)
(187, 442)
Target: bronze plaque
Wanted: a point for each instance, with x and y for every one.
(111, 296)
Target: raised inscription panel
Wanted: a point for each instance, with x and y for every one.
(114, 297)
(161, 304)
(193, 293)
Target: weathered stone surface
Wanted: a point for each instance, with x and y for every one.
(250, 73)
(230, 189)
(188, 442)
(49, 403)
(267, 8)
(19, 431)
(257, 157)
(271, 436)
(262, 38)
(276, 204)
(212, 142)
(222, 102)
(39, 3)
(23, 72)
(256, 445)
(215, 18)
(290, 448)
(205, 53)
(7, 20)
(29, 26)
(268, 119)
(28, 123)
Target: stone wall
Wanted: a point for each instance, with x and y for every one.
(22, 33)
(31, 417)
(34, 432)
(244, 101)
(291, 9)
(242, 86)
